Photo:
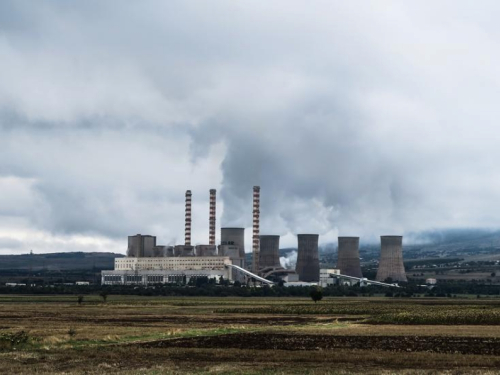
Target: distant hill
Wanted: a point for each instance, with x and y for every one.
(444, 244)
(59, 261)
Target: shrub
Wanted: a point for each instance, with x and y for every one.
(16, 340)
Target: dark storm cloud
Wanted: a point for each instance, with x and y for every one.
(359, 118)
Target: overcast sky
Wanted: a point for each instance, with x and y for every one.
(355, 117)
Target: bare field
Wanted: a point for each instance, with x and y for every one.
(156, 335)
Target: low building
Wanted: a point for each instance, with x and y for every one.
(325, 278)
(291, 278)
(431, 281)
(166, 270)
(299, 283)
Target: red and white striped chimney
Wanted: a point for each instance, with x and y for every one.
(256, 221)
(187, 228)
(211, 219)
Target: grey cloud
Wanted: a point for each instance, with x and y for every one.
(9, 243)
(357, 118)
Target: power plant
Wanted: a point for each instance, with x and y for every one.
(391, 259)
(149, 263)
(308, 258)
(348, 256)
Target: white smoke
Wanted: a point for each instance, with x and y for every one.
(289, 260)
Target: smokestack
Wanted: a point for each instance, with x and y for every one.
(391, 259)
(211, 220)
(187, 229)
(308, 258)
(256, 221)
(348, 257)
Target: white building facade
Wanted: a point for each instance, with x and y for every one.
(162, 270)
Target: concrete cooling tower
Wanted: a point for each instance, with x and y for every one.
(348, 257)
(307, 259)
(235, 237)
(140, 245)
(269, 251)
(391, 259)
(233, 246)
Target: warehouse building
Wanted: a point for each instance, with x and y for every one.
(166, 270)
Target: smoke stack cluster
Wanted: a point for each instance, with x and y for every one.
(211, 220)
(187, 228)
(348, 257)
(256, 221)
(391, 259)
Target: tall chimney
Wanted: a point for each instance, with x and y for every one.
(211, 219)
(255, 238)
(187, 229)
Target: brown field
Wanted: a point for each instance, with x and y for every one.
(157, 335)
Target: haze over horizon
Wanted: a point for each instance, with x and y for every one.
(356, 118)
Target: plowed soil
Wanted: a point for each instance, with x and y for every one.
(262, 341)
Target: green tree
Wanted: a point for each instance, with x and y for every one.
(316, 294)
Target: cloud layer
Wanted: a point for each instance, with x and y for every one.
(356, 118)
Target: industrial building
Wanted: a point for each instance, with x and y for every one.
(391, 259)
(166, 270)
(348, 256)
(147, 262)
(326, 278)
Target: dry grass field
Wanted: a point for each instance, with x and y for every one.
(157, 335)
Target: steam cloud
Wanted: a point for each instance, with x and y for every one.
(352, 124)
(289, 260)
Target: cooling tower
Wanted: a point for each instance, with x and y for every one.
(307, 259)
(187, 228)
(232, 245)
(134, 246)
(234, 236)
(256, 224)
(269, 251)
(391, 259)
(348, 257)
(141, 245)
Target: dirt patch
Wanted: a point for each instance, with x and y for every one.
(262, 341)
(184, 320)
